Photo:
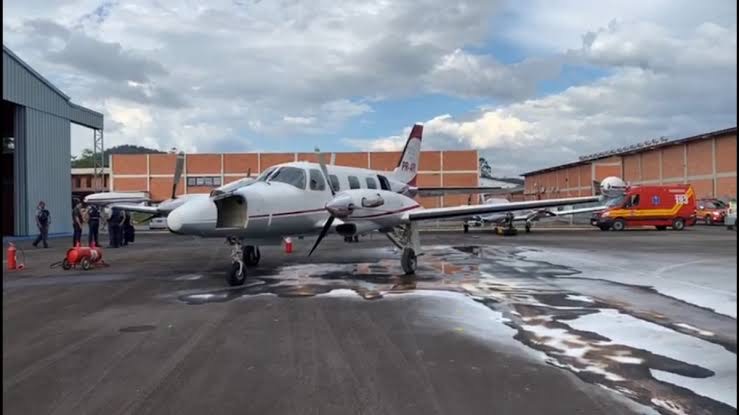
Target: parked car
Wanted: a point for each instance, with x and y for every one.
(158, 223)
(730, 219)
(711, 211)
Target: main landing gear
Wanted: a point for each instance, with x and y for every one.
(241, 257)
(405, 237)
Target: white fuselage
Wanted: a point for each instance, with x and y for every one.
(287, 200)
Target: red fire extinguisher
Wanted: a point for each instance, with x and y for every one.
(12, 258)
(288, 245)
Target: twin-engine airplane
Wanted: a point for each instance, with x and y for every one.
(304, 199)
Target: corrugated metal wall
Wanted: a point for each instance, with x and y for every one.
(42, 155)
(23, 88)
(47, 169)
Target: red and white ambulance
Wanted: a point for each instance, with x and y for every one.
(659, 206)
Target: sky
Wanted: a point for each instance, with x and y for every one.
(529, 84)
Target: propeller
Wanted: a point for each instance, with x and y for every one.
(179, 166)
(330, 221)
(248, 173)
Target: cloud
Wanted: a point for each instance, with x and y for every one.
(243, 72)
(656, 90)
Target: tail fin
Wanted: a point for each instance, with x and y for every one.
(407, 169)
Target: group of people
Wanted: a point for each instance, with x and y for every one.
(120, 228)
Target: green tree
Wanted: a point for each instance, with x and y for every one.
(85, 159)
(485, 170)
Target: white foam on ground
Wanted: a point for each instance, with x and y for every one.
(629, 331)
(341, 292)
(695, 329)
(706, 282)
(579, 298)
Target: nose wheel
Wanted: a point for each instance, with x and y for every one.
(236, 274)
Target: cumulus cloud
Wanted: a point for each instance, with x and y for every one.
(224, 75)
(656, 90)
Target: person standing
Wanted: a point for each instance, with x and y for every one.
(77, 221)
(114, 228)
(43, 220)
(93, 223)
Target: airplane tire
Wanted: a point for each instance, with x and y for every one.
(251, 256)
(618, 225)
(527, 228)
(233, 277)
(678, 224)
(709, 220)
(408, 261)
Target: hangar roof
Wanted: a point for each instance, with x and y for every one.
(24, 86)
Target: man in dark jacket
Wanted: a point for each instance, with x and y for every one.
(114, 228)
(93, 222)
(77, 221)
(43, 220)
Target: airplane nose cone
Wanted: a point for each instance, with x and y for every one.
(175, 220)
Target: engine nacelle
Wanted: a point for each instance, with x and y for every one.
(345, 204)
(612, 187)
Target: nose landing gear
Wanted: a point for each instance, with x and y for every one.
(241, 257)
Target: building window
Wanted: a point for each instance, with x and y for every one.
(208, 181)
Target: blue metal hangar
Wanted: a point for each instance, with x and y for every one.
(36, 135)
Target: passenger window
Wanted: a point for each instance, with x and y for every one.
(353, 182)
(371, 183)
(316, 180)
(384, 184)
(290, 175)
(334, 182)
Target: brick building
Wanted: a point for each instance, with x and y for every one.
(85, 183)
(204, 172)
(706, 161)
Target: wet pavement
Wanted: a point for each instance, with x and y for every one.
(550, 322)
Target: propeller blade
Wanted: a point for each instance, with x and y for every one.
(322, 163)
(323, 233)
(248, 173)
(179, 166)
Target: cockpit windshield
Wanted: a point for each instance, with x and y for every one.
(235, 185)
(290, 175)
(263, 177)
(619, 201)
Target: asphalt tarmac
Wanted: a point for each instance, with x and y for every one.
(556, 321)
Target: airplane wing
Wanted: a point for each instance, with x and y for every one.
(461, 190)
(466, 211)
(576, 211)
(153, 210)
